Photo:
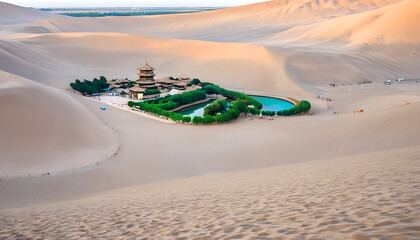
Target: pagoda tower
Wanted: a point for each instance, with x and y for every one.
(146, 77)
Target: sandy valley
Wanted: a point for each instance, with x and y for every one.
(118, 175)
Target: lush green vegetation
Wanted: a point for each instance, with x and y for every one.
(208, 119)
(218, 111)
(90, 87)
(268, 113)
(227, 116)
(187, 97)
(195, 81)
(163, 106)
(186, 119)
(198, 120)
(214, 89)
(151, 91)
(215, 107)
(301, 107)
(254, 111)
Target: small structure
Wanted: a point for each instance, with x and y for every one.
(118, 83)
(136, 92)
(173, 83)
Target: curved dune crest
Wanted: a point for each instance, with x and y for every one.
(238, 24)
(396, 23)
(44, 130)
(12, 14)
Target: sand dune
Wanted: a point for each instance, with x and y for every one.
(239, 24)
(373, 196)
(118, 55)
(396, 23)
(280, 142)
(367, 189)
(12, 14)
(43, 130)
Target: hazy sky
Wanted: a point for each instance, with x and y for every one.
(129, 3)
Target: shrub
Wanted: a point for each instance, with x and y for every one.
(227, 116)
(215, 107)
(131, 103)
(151, 91)
(209, 119)
(206, 83)
(212, 89)
(187, 97)
(90, 87)
(241, 106)
(197, 120)
(176, 117)
(301, 107)
(195, 81)
(268, 113)
(186, 119)
(254, 111)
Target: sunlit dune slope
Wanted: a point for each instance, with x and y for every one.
(239, 24)
(63, 57)
(44, 130)
(397, 23)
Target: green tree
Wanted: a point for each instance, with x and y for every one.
(186, 119)
(151, 91)
(209, 119)
(131, 103)
(102, 78)
(240, 105)
(215, 107)
(197, 120)
(195, 81)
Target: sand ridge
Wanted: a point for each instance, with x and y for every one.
(359, 197)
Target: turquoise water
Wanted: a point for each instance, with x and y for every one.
(269, 104)
(196, 110)
(273, 104)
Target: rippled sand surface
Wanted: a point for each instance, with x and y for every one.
(373, 196)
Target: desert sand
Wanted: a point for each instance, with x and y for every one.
(117, 174)
(328, 199)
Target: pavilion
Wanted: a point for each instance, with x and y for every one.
(146, 81)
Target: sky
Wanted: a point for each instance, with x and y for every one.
(130, 3)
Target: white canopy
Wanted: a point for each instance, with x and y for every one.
(175, 91)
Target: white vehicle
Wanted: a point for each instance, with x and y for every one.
(400, 79)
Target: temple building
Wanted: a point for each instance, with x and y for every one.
(146, 81)
(146, 77)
